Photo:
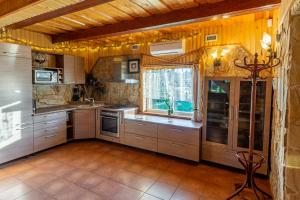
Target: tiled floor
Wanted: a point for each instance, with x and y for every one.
(99, 170)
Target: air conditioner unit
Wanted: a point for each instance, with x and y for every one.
(167, 48)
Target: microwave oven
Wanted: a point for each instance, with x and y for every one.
(45, 76)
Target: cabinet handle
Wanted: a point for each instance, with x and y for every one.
(50, 136)
(139, 137)
(176, 144)
(237, 113)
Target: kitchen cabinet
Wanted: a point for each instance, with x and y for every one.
(142, 135)
(74, 70)
(16, 125)
(227, 119)
(84, 123)
(49, 130)
(179, 141)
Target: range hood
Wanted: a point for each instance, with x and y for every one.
(120, 70)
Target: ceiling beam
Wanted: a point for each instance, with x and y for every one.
(177, 17)
(9, 6)
(58, 12)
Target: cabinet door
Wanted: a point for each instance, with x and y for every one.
(218, 120)
(262, 115)
(69, 69)
(79, 70)
(84, 124)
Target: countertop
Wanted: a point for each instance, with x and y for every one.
(70, 107)
(164, 120)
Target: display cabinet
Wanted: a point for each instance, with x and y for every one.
(227, 118)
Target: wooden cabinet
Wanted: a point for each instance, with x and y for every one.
(84, 123)
(16, 131)
(49, 130)
(141, 135)
(226, 121)
(74, 70)
(179, 141)
(173, 140)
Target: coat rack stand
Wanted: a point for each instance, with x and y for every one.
(251, 160)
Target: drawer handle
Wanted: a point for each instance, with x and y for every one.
(177, 130)
(139, 137)
(50, 136)
(176, 144)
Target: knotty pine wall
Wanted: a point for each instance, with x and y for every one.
(246, 30)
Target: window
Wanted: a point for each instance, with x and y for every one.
(169, 89)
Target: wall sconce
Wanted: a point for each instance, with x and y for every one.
(217, 58)
(266, 42)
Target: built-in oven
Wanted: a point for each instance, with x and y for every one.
(110, 123)
(45, 76)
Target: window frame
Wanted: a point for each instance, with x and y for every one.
(161, 112)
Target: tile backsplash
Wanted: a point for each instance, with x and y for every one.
(52, 95)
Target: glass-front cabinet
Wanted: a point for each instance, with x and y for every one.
(218, 122)
(227, 119)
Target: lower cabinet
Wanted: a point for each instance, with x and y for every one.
(179, 141)
(49, 130)
(19, 142)
(172, 140)
(141, 142)
(84, 123)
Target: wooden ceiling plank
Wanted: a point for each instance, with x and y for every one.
(8, 6)
(178, 17)
(59, 12)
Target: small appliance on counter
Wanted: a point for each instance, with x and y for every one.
(77, 93)
(45, 76)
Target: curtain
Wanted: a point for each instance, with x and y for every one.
(197, 94)
(175, 84)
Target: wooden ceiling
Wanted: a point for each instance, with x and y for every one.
(81, 19)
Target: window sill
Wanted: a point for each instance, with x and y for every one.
(166, 115)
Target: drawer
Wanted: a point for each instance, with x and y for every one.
(179, 134)
(142, 142)
(49, 131)
(49, 117)
(141, 128)
(180, 150)
(50, 124)
(50, 140)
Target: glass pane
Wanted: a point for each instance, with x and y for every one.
(110, 125)
(218, 111)
(244, 115)
(169, 89)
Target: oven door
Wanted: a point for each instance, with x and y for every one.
(110, 126)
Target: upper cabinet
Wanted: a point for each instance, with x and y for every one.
(74, 70)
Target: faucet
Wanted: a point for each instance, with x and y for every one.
(91, 100)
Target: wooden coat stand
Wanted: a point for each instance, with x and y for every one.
(251, 160)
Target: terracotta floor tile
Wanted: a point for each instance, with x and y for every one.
(15, 191)
(7, 183)
(185, 195)
(108, 188)
(112, 172)
(149, 197)
(151, 172)
(39, 180)
(123, 176)
(161, 190)
(170, 178)
(59, 186)
(142, 183)
(106, 171)
(127, 193)
(35, 195)
(135, 167)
